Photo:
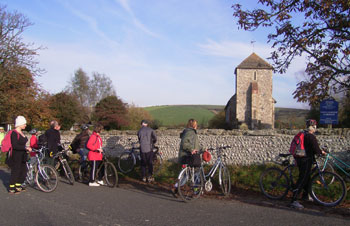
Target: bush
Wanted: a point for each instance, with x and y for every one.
(243, 126)
(218, 121)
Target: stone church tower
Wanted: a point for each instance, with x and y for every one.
(253, 103)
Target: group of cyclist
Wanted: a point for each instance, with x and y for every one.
(90, 147)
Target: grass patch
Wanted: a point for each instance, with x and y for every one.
(178, 115)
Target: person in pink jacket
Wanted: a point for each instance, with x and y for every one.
(94, 145)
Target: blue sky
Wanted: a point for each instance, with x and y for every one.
(156, 52)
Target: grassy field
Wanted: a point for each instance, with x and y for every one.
(285, 116)
(177, 115)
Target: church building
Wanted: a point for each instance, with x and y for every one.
(253, 103)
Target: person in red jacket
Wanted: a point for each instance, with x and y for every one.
(33, 144)
(95, 154)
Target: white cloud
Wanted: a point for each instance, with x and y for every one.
(92, 22)
(126, 6)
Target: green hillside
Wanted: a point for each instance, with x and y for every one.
(178, 115)
(175, 115)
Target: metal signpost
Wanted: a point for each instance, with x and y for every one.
(329, 112)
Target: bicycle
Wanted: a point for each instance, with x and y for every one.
(224, 174)
(192, 180)
(110, 174)
(62, 165)
(331, 160)
(44, 176)
(326, 188)
(127, 160)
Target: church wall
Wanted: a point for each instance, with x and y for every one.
(262, 103)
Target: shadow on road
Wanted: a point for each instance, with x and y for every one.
(153, 189)
(311, 208)
(5, 176)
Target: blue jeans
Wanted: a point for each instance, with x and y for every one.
(83, 152)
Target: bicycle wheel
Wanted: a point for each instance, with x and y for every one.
(68, 172)
(274, 183)
(126, 162)
(225, 181)
(110, 174)
(46, 178)
(157, 163)
(190, 184)
(84, 172)
(327, 188)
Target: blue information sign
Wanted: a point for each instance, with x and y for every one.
(329, 112)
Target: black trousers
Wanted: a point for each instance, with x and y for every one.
(304, 165)
(147, 162)
(17, 163)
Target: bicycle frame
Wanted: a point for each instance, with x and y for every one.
(33, 167)
(337, 162)
(218, 163)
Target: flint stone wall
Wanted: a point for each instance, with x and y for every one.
(247, 147)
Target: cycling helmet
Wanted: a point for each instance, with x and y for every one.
(84, 127)
(33, 131)
(311, 122)
(206, 156)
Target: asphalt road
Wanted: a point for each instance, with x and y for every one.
(132, 204)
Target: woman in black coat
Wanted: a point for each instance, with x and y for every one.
(18, 156)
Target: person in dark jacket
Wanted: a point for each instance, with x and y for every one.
(53, 140)
(305, 163)
(79, 142)
(18, 156)
(147, 138)
(189, 144)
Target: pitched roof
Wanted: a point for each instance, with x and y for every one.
(254, 62)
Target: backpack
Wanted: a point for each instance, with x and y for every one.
(297, 148)
(6, 144)
(42, 140)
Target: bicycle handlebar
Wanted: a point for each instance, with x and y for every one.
(219, 148)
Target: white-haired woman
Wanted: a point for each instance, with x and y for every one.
(18, 156)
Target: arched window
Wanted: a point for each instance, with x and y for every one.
(254, 75)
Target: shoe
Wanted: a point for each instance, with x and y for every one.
(150, 179)
(144, 179)
(296, 205)
(174, 191)
(20, 189)
(101, 182)
(94, 184)
(13, 191)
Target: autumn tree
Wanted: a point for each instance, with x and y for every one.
(318, 29)
(65, 108)
(18, 90)
(90, 91)
(101, 86)
(111, 113)
(79, 86)
(344, 117)
(135, 115)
